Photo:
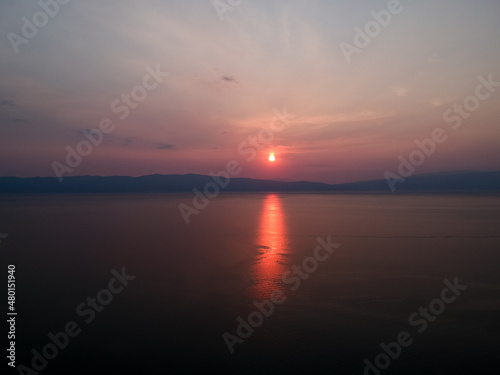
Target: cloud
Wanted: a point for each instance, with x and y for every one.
(218, 83)
(400, 91)
(138, 143)
(127, 142)
(7, 103)
(229, 79)
(165, 146)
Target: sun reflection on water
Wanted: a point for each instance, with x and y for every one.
(272, 242)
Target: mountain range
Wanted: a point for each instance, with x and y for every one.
(436, 182)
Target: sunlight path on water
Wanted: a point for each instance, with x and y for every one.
(272, 242)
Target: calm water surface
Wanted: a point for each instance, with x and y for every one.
(194, 281)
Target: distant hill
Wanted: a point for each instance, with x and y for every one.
(433, 182)
(445, 182)
(151, 183)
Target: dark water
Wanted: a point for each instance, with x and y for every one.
(193, 281)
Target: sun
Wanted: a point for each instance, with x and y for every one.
(271, 157)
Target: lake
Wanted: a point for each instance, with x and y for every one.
(321, 282)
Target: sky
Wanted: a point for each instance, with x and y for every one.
(227, 70)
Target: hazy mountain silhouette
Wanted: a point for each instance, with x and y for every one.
(440, 182)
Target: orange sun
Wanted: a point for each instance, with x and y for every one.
(271, 157)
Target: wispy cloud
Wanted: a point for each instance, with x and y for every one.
(7, 103)
(165, 146)
(400, 91)
(229, 79)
